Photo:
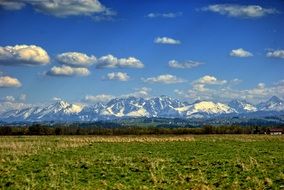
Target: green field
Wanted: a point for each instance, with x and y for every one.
(142, 162)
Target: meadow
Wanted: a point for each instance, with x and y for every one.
(142, 162)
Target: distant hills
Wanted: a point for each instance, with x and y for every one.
(132, 107)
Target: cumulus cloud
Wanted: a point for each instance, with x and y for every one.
(68, 71)
(227, 92)
(23, 55)
(243, 11)
(165, 79)
(209, 80)
(60, 8)
(142, 92)
(120, 76)
(76, 59)
(9, 82)
(261, 91)
(98, 98)
(164, 15)
(200, 85)
(184, 65)
(13, 102)
(240, 52)
(109, 61)
(276, 54)
(166, 40)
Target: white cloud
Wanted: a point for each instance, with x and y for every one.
(243, 11)
(164, 15)
(165, 79)
(276, 54)
(209, 80)
(11, 5)
(262, 92)
(20, 98)
(109, 61)
(120, 76)
(56, 99)
(12, 103)
(9, 99)
(63, 8)
(240, 52)
(166, 40)
(200, 85)
(76, 59)
(23, 55)
(68, 71)
(143, 92)
(184, 65)
(60, 8)
(226, 92)
(6, 106)
(98, 98)
(7, 82)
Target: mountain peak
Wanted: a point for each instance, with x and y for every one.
(61, 103)
(273, 104)
(242, 106)
(162, 106)
(275, 99)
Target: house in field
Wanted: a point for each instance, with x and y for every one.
(275, 131)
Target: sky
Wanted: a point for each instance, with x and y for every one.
(89, 51)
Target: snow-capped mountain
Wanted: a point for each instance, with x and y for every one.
(91, 113)
(58, 111)
(162, 106)
(120, 107)
(139, 107)
(242, 106)
(273, 104)
(207, 108)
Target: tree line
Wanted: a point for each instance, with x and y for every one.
(41, 129)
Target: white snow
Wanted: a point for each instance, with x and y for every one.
(137, 107)
(209, 108)
(139, 113)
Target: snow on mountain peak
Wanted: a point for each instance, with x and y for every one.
(60, 104)
(242, 106)
(74, 108)
(273, 104)
(209, 107)
(162, 106)
(275, 99)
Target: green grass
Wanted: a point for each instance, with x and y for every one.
(151, 162)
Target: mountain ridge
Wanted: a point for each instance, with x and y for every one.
(162, 106)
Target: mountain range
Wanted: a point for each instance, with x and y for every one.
(132, 107)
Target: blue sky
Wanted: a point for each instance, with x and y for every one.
(222, 50)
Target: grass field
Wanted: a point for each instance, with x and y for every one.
(142, 162)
